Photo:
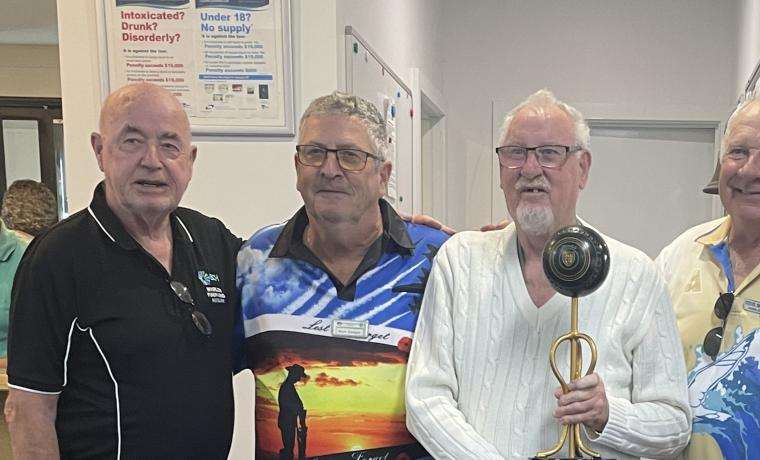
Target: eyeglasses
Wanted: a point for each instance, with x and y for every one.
(199, 319)
(548, 156)
(714, 337)
(348, 159)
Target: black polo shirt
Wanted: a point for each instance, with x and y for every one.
(94, 319)
(394, 238)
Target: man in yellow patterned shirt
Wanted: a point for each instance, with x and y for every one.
(713, 275)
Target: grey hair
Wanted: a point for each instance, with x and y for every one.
(365, 112)
(544, 98)
(744, 101)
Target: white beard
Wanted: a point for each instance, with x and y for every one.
(535, 220)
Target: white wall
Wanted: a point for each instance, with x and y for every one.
(613, 59)
(749, 41)
(403, 32)
(29, 71)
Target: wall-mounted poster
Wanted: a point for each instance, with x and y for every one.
(227, 61)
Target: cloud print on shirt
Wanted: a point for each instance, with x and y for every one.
(324, 380)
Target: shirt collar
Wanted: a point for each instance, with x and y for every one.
(9, 242)
(717, 234)
(114, 229)
(394, 230)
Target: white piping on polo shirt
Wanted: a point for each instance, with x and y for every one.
(99, 224)
(115, 388)
(184, 227)
(66, 358)
(65, 368)
(19, 387)
(186, 230)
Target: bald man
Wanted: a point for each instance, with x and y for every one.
(122, 314)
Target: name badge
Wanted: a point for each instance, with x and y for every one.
(350, 329)
(752, 305)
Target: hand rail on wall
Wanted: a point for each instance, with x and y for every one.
(350, 31)
(753, 79)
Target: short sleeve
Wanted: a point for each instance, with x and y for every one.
(42, 317)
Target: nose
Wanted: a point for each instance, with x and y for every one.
(752, 166)
(330, 167)
(151, 159)
(531, 168)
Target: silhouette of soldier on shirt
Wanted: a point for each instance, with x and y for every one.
(292, 411)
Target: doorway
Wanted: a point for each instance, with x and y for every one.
(433, 159)
(31, 144)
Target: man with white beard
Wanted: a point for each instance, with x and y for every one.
(479, 385)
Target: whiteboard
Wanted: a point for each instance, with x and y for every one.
(369, 77)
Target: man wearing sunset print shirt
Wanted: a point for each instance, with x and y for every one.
(336, 290)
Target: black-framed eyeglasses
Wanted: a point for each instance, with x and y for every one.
(348, 159)
(714, 337)
(548, 156)
(199, 319)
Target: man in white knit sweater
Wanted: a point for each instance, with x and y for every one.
(479, 384)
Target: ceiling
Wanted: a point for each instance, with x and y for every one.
(28, 22)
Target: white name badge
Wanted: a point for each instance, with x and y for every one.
(350, 329)
(752, 305)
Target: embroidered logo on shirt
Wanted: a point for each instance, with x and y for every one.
(215, 294)
(695, 284)
(207, 278)
(752, 305)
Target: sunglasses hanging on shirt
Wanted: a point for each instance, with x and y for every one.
(714, 337)
(199, 319)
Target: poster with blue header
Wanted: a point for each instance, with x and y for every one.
(227, 61)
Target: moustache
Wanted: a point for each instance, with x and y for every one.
(331, 186)
(539, 182)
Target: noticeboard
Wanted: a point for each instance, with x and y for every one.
(228, 62)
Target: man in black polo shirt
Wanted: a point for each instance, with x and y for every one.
(122, 315)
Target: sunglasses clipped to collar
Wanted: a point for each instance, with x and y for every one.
(199, 319)
(714, 337)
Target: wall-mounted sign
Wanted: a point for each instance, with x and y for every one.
(227, 61)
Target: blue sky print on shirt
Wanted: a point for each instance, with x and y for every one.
(725, 398)
(387, 295)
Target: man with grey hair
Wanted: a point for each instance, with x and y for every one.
(336, 291)
(479, 385)
(713, 275)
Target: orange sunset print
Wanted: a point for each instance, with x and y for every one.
(349, 392)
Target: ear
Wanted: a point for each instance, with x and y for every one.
(585, 165)
(193, 153)
(385, 173)
(96, 141)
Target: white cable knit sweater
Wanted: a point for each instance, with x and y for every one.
(479, 384)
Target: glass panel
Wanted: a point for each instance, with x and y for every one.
(21, 143)
(60, 168)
